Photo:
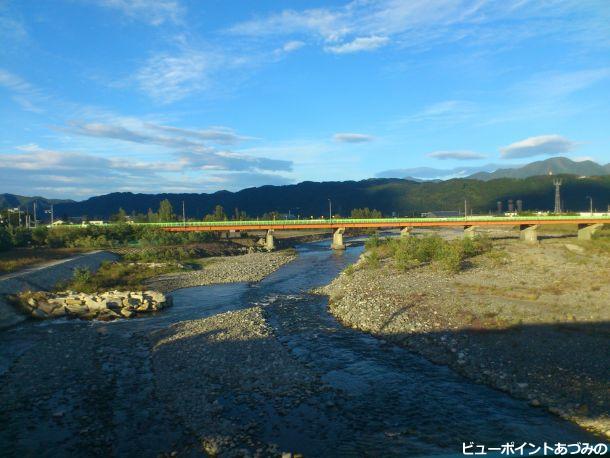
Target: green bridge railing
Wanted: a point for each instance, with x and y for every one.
(335, 221)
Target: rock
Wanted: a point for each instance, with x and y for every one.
(77, 310)
(36, 313)
(94, 305)
(144, 307)
(574, 248)
(127, 313)
(107, 315)
(114, 305)
(47, 307)
(72, 301)
(58, 312)
(155, 296)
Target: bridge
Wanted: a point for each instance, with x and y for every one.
(528, 225)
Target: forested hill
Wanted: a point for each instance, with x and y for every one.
(388, 195)
(14, 200)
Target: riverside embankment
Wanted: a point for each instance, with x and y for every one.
(245, 369)
(532, 321)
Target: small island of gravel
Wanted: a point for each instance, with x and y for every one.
(251, 267)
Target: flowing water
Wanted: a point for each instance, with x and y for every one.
(78, 388)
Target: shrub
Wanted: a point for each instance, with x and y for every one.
(39, 235)
(6, 241)
(22, 237)
(410, 252)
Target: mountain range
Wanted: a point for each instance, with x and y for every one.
(531, 184)
(554, 165)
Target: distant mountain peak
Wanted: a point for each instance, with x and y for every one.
(552, 166)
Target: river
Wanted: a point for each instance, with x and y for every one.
(72, 388)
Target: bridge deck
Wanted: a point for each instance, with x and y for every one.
(199, 226)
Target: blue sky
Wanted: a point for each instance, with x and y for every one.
(196, 96)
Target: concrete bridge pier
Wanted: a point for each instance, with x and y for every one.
(528, 233)
(406, 231)
(269, 242)
(586, 231)
(338, 239)
(470, 231)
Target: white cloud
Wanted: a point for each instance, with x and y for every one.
(444, 111)
(536, 146)
(154, 12)
(76, 174)
(292, 45)
(347, 137)
(168, 78)
(29, 97)
(186, 145)
(217, 134)
(459, 155)
(418, 23)
(555, 85)
(358, 44)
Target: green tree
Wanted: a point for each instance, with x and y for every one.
(151, 216)
(39, 235)
(365, 213)
(120, 216)
(219, 213)
(22, 236)
(6, 241)
(166, 211)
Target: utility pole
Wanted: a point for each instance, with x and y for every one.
(557, 184)
(330, 211)
(465, 208)
(183, 215)
(50, 212)
(35, 219)
(590, 204)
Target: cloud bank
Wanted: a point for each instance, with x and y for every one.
(536, 146)
(347, 137)
(459, 155)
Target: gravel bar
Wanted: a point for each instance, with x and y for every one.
(530, 321)
(251, 267)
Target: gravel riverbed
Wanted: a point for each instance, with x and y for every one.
(251, 267)
(532, 321)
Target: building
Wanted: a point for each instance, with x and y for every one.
(441, 214)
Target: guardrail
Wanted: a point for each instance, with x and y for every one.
(399, 221)
(382, 222)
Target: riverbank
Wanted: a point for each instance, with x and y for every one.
(251, 267)
(530, 321)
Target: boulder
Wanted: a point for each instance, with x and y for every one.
(72, 301)
(107, 315)
(39, 314)
(58, 312)
(47, 307)
(114, 305)
(127, 313)
(77, 310)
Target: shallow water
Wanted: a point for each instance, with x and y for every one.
(378, 399)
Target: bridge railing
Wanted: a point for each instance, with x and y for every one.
(336, 221)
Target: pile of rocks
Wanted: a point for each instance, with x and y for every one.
(106, 306)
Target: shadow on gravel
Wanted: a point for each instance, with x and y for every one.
(562, 365)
